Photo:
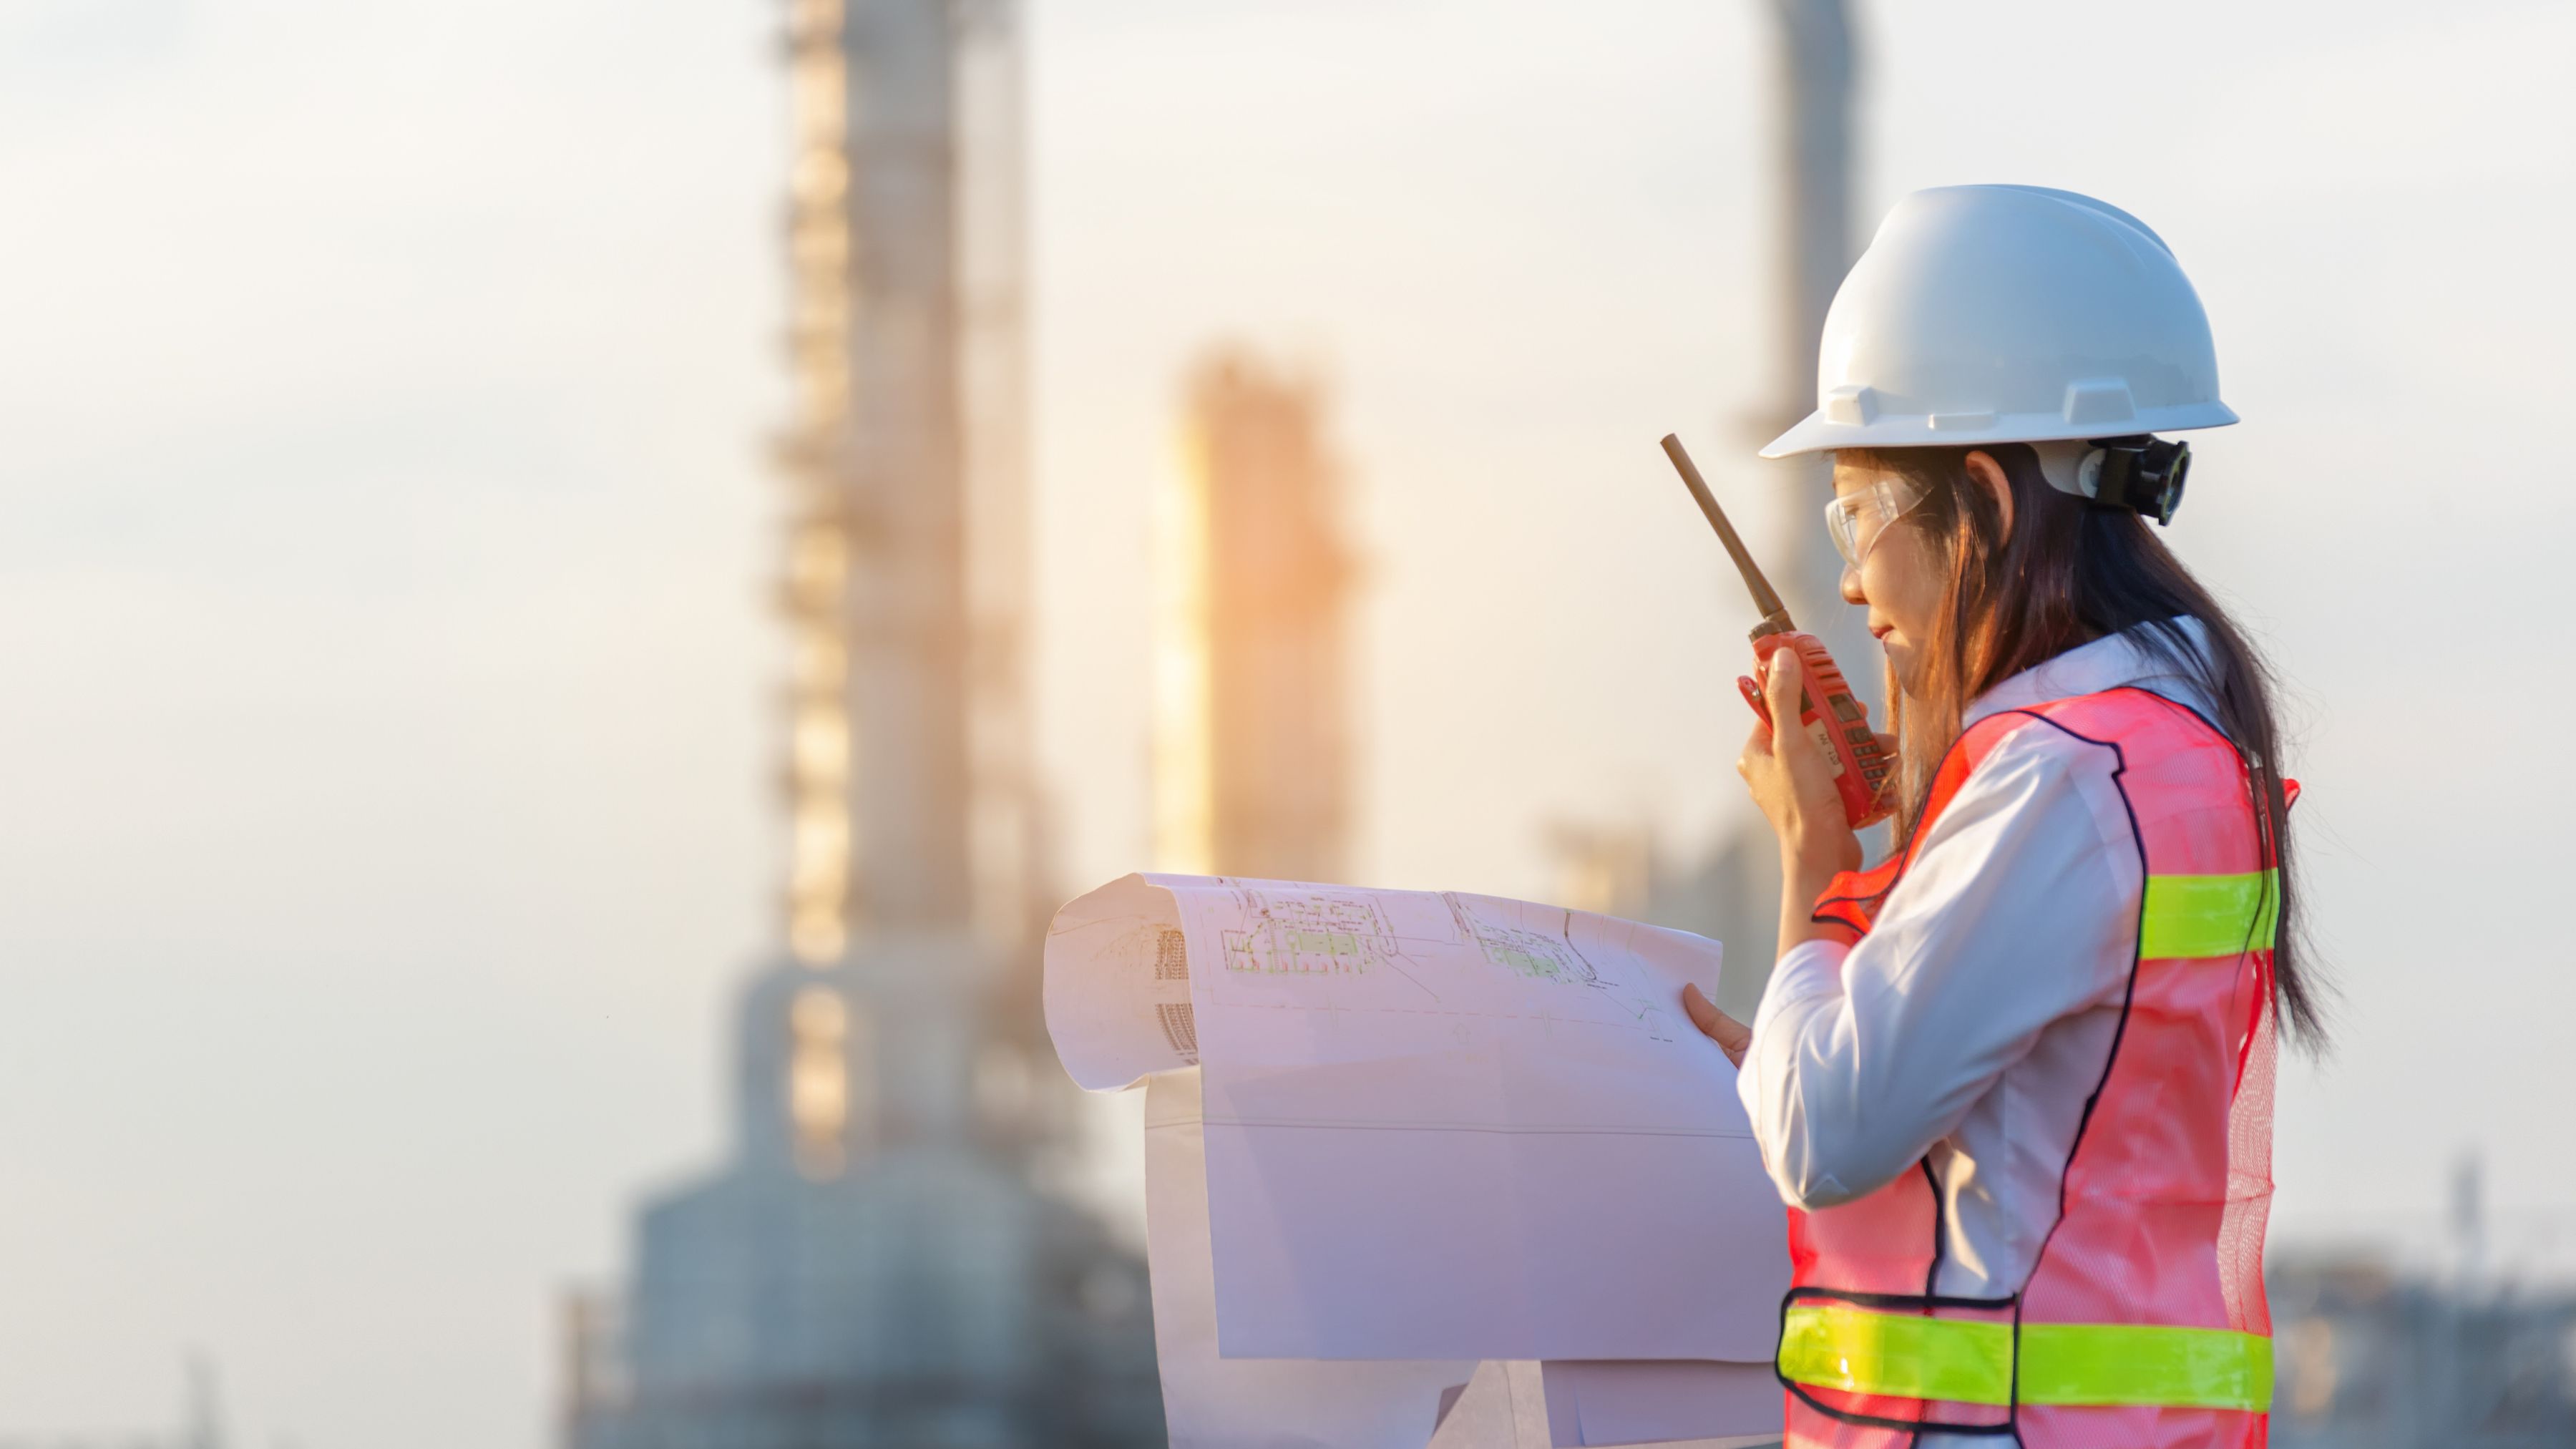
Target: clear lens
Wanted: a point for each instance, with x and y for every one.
(1856, 519)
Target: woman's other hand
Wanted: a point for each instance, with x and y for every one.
(1731, 1036)
(1792, 780)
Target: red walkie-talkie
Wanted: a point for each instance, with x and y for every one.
(1862, 768)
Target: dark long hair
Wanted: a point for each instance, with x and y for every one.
(2068, 572)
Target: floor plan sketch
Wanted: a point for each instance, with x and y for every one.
(1478, 959)
(1535, 954)
(1308, 934)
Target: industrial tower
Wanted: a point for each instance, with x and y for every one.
(872, 1265)
(1253, 767)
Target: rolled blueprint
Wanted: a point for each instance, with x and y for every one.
(1435, 1127)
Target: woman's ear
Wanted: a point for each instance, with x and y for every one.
(1988, 474)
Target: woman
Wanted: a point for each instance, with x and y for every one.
(2015, 1084)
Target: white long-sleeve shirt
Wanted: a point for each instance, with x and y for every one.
(1977, 1015)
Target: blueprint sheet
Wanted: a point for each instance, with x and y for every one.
(1435, 1126)
(1210, 1402)
(1510, 1404)
(1253, 1403)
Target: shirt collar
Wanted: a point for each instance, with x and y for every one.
(2110, 662)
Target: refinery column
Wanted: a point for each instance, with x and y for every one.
(873, 1262)
(1253, 764)
(875, 582)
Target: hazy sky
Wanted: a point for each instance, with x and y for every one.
(383, 538)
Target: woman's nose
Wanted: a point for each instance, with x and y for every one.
(1851, 585)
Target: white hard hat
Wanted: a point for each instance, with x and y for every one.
(2007, 314)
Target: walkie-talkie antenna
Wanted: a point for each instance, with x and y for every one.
(1775, 615)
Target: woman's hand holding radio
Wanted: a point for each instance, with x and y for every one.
(1792, 780)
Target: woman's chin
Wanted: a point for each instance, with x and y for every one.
(1901, 662)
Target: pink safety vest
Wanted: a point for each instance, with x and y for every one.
(2142, 1322)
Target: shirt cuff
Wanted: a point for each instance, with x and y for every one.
(1806, 971)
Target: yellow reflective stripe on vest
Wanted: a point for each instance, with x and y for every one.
(2119, 1363)
(1970, 1361)
(1864, 1352)
(2209, 915)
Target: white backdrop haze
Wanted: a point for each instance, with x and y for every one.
(383, 536)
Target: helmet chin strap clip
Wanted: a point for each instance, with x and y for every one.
(2142, 475)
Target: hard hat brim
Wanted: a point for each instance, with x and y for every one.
(1816, 433)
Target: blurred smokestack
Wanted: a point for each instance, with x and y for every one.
(1252, 751)
(1818, 65)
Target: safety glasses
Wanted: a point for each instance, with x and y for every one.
(1855, 519)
